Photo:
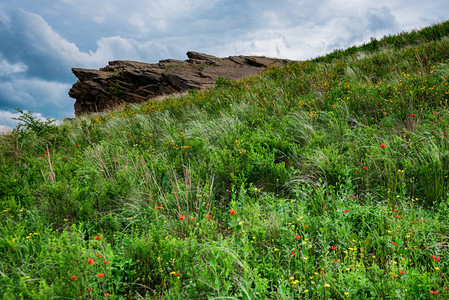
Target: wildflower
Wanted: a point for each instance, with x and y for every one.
(99, 255)
(433, 292)
(182, 218)
(209, 217)
(345, 211)
(382, 146)
(105, 261)
(90, 261)
(293, 252)
(89, 289)
(100, 275)
(232, 212)
(73, 277)
(436, 258)
(325, 207)
(365, 168)
(395, 276)
(98, 238)
(333, 248)
(336, 260)
(327, 285)
(106, 294)
(306, 226)
(297, 237)
(402, 272)
(192, 218)
(158, 207)
(413, 115)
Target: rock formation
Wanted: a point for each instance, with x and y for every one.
(122, 82)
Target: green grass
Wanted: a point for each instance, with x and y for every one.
(320, 179)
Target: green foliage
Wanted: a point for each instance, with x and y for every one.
(320, 179)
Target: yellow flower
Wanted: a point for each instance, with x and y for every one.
(346, 293)
(306, 291)
(327, 285)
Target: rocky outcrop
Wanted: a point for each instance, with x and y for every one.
(122, 82)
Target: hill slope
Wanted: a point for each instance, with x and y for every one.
(321, 179)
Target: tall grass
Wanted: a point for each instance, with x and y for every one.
(320, 179)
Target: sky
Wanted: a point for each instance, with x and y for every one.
(41, 40)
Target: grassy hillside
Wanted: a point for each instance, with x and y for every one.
(321, 179)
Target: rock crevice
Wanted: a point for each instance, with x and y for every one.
(122, 82)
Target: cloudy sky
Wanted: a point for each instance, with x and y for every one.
(41, 40)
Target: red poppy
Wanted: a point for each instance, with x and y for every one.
(436, 258)
(192, 218)
(73, 277)
(325, 207)
(158, 207)
(90, 261)
(77, 145)
(182, 218)
(413, 115)
(433, 292)
(46, 153)
(99, 255)
(385, 113)
(90, 289)
(105, 261)
(100, 275)
(98, 237)
(395, 209)
(362, 248)
(402, 272)
(333, 248)
(395, 276)
(106, 294)
(297, 237)
(447, 289)
(365, 168)
(382, 146)
(232, 212)
(293, 253)
(306, 226)
(209, 217)
(336, 260)
(346, 210)
(413, 231)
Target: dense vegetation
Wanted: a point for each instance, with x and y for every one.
(321, 179)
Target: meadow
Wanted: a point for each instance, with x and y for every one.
(322, 179)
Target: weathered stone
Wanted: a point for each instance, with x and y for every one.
(122, 82)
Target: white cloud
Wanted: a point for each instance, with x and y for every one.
(5, 129)
(7, 118)
(7, 69)
(36, 94)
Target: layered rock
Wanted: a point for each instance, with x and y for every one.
(122, 82)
